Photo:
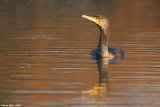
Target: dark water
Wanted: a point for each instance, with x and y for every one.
(45, 46)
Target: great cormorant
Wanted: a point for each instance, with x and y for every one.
(103, 50)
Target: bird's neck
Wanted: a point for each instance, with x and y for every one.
(103, 42)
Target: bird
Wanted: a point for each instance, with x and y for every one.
(103, 51)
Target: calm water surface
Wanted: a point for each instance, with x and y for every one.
(45, 46)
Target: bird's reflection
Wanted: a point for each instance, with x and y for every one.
(100, 89)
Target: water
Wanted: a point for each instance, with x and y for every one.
(45, 46)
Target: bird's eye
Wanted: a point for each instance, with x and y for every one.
(96, 17)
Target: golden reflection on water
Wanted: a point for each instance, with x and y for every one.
(101, 88)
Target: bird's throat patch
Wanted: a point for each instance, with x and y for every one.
(96, 21)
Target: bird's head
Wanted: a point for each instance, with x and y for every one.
(101, 21)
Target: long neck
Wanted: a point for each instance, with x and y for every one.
(103, 42)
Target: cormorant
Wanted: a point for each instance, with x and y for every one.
(103, 50)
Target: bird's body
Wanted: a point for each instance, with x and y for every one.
(113, 52)
(103, 50)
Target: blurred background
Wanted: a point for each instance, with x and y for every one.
(45, 61)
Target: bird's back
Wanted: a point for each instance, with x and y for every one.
(115, 52)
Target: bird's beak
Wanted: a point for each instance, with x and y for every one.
(93, 19)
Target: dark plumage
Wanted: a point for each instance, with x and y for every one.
(103, 50)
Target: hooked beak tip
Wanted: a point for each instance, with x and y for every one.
(88, 17)
(91, 19)
(84, 16)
